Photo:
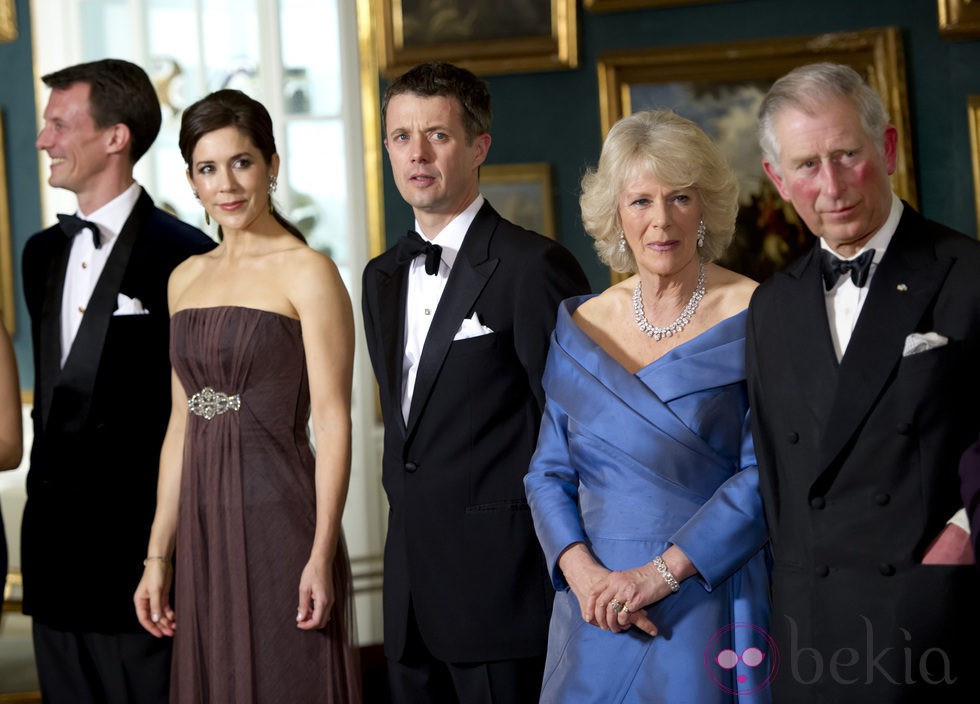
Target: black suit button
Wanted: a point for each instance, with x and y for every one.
(904, 428)
(882, 499)
(411, 467)
(886, 569)
(822, 570)
(793, 437)
(818, 502)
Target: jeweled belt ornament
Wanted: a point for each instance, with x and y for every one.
(210, 403)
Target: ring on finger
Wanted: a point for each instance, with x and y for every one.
(616, 605)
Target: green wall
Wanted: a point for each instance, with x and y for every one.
(20, 128)
(554, 117)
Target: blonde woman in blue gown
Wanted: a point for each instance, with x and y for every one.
(644, 486)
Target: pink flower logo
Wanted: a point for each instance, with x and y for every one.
(746, 672)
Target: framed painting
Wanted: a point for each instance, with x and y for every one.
(485, 36)
(616, 5)
(522, 194)
(720, 87)
(973, 115)
(959, 19)
(8, 21)
(6, 253)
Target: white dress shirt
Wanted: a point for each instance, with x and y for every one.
(845, 300)
(85, 262)
(425, 291)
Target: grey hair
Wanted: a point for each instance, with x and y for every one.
(673, 151)
(805, 88)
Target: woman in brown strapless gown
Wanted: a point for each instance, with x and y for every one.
(261, 333)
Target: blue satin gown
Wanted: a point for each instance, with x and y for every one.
(629, 464)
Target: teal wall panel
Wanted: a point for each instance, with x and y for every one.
(554, 117)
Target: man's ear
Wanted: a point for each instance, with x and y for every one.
(118, 138)
(774, 174)
(482, 144)
(891, 148)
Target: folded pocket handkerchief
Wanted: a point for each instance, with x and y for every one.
(922, 342)
(471, 327)
(129, 306)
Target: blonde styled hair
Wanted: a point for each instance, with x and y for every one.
(673, 151)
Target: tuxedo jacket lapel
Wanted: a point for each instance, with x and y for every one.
(807, 332)
(82, 365)
(904, 285)
(469, 275)
(392, 288)
(50, 333)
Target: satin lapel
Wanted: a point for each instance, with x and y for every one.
(467, 279)
(806, 336)
(82, 365)
(903, 286)
(392, 288)
(50, 333)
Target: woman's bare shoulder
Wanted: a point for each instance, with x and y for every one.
(186, 272)
(734, 289)
(597, 312)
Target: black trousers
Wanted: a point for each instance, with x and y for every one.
(78, 667)
(419, 678)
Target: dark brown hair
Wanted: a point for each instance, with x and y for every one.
(437, 78)
(119, 92)
(231, 108)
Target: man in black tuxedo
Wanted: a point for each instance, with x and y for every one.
(96, 291)
(466, 590)
(863, 380)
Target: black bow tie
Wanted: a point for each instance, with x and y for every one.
(72, 225)
(412, 245)
(833, 267)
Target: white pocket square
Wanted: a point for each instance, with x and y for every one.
(922, 342)
(471, 327)
(129, 306)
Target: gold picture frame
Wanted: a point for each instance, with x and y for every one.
(521, 193)
(618, 5)
(973, 117)
(8, 21)
(959, 19)
(720, 86)
(481, 35)
(6, 253)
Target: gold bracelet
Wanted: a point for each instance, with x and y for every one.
(161, 558)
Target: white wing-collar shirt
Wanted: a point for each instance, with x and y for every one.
(85, 262)
(425, 292)
(845, 300)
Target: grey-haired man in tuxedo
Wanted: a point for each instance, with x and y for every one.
(863, 381)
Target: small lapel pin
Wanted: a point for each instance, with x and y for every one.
(902, 287)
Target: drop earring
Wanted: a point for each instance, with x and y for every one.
(273, 185)
(622, 242)
(701, 233)
(207, 216)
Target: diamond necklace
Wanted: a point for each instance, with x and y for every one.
(682, 320)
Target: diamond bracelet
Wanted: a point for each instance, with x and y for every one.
(661, 566)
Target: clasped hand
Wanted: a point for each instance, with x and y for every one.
(596, 588)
